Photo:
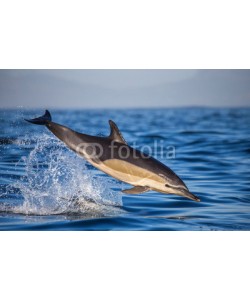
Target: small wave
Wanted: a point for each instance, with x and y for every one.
(57, 181)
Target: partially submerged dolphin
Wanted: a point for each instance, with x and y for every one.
(115, 157)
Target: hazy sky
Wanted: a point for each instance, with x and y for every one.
(123, 88)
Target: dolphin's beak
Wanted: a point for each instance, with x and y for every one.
(187, 194)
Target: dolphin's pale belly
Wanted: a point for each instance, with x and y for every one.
(129, 173)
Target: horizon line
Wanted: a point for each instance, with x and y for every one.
(121, 108)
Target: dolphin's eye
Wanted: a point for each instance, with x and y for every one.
(167, 185)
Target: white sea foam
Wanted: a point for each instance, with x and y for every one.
(57, 181)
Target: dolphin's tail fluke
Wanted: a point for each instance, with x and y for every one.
(43, 120)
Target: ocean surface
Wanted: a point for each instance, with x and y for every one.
(46, 186)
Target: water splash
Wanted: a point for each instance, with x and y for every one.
(57, 181)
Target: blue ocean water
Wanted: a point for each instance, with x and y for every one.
(46, 186)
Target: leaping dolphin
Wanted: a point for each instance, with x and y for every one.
(115, 157)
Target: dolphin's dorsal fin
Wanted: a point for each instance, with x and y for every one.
(115, 133)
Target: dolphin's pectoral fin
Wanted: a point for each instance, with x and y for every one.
(115, 133)
(137, 190)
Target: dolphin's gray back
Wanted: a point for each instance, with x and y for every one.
(70, 137)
